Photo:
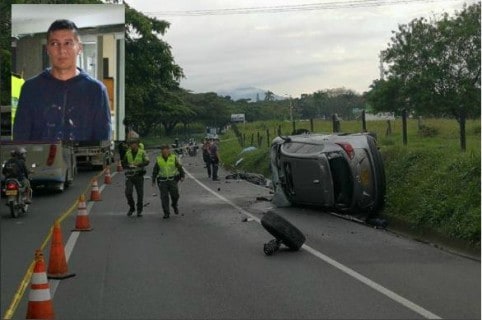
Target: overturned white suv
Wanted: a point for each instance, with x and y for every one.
(338, 172)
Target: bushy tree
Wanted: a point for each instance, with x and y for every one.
(434, 68)
(152, 76)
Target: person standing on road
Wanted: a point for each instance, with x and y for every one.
(63, 102)
(214, 159)
(135, 160)
(207, 156)
(167, 173)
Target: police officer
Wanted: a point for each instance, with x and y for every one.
(167, 173)
(135, 160)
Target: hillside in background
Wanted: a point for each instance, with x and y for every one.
(251, 93)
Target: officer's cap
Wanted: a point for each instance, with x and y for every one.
(132, 141)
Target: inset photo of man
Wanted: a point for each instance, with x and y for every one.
(72, 60)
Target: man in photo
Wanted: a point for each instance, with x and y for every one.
(63, 102)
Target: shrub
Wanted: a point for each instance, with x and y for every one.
(426, 131)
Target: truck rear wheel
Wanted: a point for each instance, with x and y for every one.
(67, 182)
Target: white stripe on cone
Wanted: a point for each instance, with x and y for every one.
(39, 278)
(39, 295)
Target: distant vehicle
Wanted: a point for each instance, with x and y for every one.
(339, 172)
(212, 133)
(95, 154)
(212, 136)
(55, 163)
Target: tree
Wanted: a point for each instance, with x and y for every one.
(268, 96)
(152, 76)
(436, 63)
(385, 96)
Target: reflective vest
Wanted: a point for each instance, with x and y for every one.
(139, 159)
(17, 84)
(167, 168)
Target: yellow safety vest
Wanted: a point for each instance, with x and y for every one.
(17, 84)
(139, 159)
(167, 168)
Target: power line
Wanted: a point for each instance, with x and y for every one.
(332, 5)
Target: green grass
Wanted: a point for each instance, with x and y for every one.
(430, 182)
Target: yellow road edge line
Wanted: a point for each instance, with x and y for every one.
(17, 297)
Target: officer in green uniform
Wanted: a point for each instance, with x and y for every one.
(135, 161)
(167, 173)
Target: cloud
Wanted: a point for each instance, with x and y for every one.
(290, 52)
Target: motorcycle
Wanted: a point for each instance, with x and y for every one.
(177, 149)
(16, 195)
(192, 150)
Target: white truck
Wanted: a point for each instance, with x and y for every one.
(55, 163)
(94, 154)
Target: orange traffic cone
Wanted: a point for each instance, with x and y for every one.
(39, 301)
(95, 193)
(58, 268)
(82, 222)
(107, 177)
(119, 166)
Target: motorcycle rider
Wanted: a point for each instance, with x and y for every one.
(15, 168)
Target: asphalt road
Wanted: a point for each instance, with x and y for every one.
(208, 263)
(21, 237)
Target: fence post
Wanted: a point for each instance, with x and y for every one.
(404, 126)
(363, 121)
(294, 126)
(252, 139)
(267, 137)
(463, 135)
(279, 130)
(244, 140)
(420, 122)
(312, 127)
(257, 137)
(389, 128)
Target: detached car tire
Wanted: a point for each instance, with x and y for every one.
(282, 230)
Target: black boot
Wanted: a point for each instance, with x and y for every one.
(130, 212)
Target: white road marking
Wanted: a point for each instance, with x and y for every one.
(69, 246)
(352, 273)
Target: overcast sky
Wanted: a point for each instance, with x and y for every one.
(288, 53)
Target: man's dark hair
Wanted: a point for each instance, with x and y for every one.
(63, 24)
